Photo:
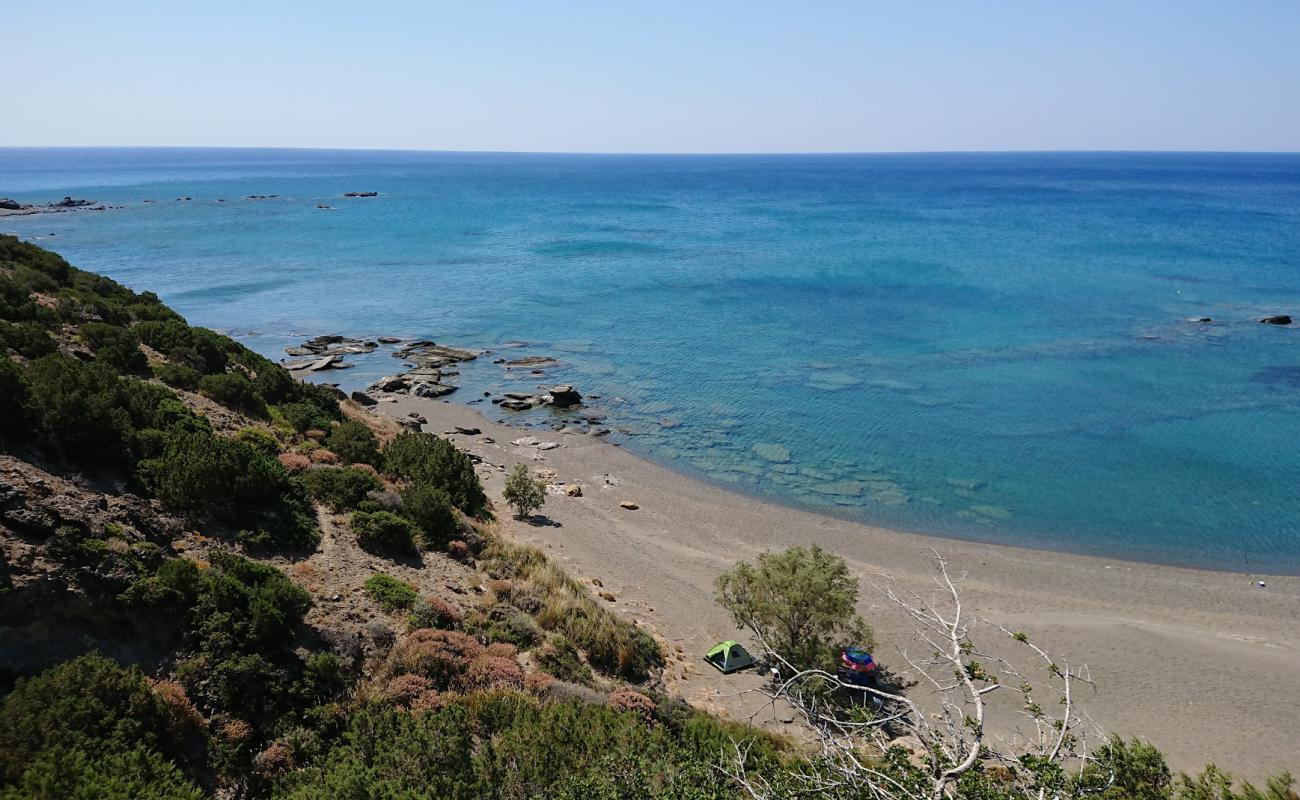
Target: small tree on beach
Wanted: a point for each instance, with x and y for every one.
(523, 492)
(800, 603)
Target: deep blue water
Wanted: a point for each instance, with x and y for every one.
(988, 346)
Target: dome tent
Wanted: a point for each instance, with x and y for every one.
(729, 657)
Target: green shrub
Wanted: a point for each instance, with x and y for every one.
(208, 476)
(178, 375)
(117, 347)
(384, 530)
(89, 704)
(244, 606)
(234, 390)
(802, 599)
(431, 509)
(173, 586)
(354, 443)
(28, 339)
(340, 488)
(260, 440)
(303, 417)
(560, 658)
(130, 774)
(14, 397)
(505, 623)
(425, 458)
(389, 592)
(78, 411)
(523, 492)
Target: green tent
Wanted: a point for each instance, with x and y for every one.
(729, 657)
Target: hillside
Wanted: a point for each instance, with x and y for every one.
(218, 581)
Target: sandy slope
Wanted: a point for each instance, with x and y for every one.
(1202, 663)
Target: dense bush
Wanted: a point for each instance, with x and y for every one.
(431, 509)
(228, 480)
(242, 605)
(389, 592)
(427, 459)
(234, 390)
(78, 411)
(14, 397)
(89, 704)
(178, 376)
(354, 443)
(385, 531)
(137, 773)
(563, 749)
(340, 488)
(303, 417)
(117, 347)
(28, 339)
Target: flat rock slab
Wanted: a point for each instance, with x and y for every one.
(775, 453)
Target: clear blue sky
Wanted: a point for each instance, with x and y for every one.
(704, 76)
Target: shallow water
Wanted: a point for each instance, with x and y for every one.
(986, 346)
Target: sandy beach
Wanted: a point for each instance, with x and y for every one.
(1204, 664)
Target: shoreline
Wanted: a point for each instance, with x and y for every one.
(611, 427)
(1200, 662)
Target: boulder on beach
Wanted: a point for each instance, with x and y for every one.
(464, 431)
(1280, 319)
(361, 398)
(515, 405)
(391, 383)
(563, 396)
(69, 202)
(629, 505)
(432, 389)
(328, 362)
(10, 205)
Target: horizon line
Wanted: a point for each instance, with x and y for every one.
(652, 153)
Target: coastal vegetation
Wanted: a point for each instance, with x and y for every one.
(523, 492)
(182, 524)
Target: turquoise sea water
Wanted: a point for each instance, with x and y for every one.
(984, 346)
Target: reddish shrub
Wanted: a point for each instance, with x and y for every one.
(434, 612)
(458, 550)
(366, 468)
(276, 759)
(440, 656)
(428, 701)
(629, 700)
(236, 730)
(294, 462)
(501, 588)
(182, 716)
(537, 682)
(502, 650)
(323, 456)
(316, 435)
(492, 672)
(405, 689)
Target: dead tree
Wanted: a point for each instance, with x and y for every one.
(897, 747)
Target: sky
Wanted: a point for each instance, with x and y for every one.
(664, 76)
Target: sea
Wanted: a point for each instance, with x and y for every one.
(1002, 347)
